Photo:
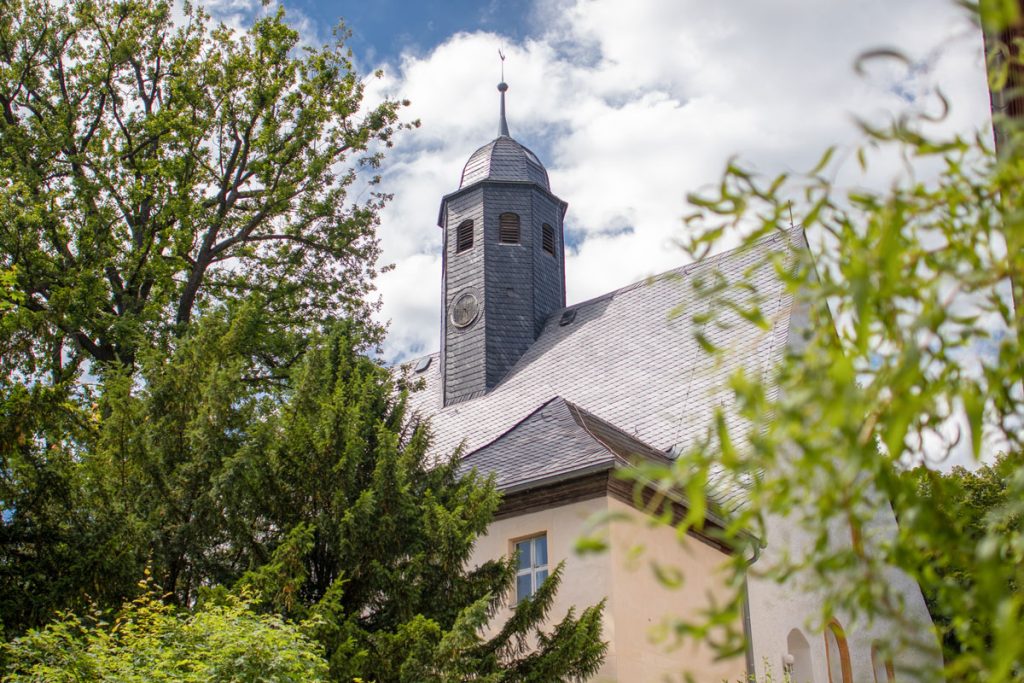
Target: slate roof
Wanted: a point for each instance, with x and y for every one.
(557, 439)
(630, 357)
(504, 159)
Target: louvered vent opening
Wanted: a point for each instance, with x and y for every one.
(464, 236)
(548, 238)
(508, 228)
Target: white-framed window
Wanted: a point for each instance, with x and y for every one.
(532, 565)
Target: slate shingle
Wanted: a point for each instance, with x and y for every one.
(504, 159)
(630, 358)
(557, 439)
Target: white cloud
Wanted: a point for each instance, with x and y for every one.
(632, 105)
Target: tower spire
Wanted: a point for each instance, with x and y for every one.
(502, 87)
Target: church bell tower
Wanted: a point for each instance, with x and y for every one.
(503, 263)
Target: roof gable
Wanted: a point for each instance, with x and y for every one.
(556, 440)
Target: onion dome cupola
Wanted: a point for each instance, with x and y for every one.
(503, 263)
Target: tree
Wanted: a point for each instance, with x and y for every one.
(152, 166)
(365, 533)
(175, 220)
(60, 545)
(151, 641)
(970, 505)
(318, 502)
(153, 171)
(916, 357)
(94, 494)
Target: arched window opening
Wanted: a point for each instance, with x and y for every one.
(548, 238)
(797, 662)
(464, 236)
(838, 654)
(508, 228)
(882, 666)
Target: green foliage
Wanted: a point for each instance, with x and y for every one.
(94, 493)
(184, 286)
(151, 641)
(916, 357)
(317, 502)
(970, 506)
(366, 534)
(154, 166)
(8, 293)
(164, 445)
(60, 544)
(768, 677)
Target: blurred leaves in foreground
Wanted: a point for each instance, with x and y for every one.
(910, 357)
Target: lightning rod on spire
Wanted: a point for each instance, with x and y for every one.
(502, 87)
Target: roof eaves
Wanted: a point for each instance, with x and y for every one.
(508, 183)
(568, 475)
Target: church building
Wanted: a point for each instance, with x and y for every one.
(555, 399)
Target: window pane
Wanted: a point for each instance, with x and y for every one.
(540, 548)
(524, 554)
(542, 575)
(524, 589)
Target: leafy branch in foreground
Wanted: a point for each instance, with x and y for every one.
(915, 359)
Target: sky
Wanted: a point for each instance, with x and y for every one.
(630, 105)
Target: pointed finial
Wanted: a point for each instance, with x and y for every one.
(502, 87)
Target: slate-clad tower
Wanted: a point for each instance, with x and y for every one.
(504, 266)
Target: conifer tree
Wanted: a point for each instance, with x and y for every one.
(324, 493)
(371, 536)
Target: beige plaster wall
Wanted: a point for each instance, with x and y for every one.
(636, 601)
(640, 603)
(585, 580)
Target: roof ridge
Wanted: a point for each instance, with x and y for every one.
(512, 427)
(681, 270)
(576, 410)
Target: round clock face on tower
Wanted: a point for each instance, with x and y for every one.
(465, 310)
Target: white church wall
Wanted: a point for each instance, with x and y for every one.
(775, 610)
